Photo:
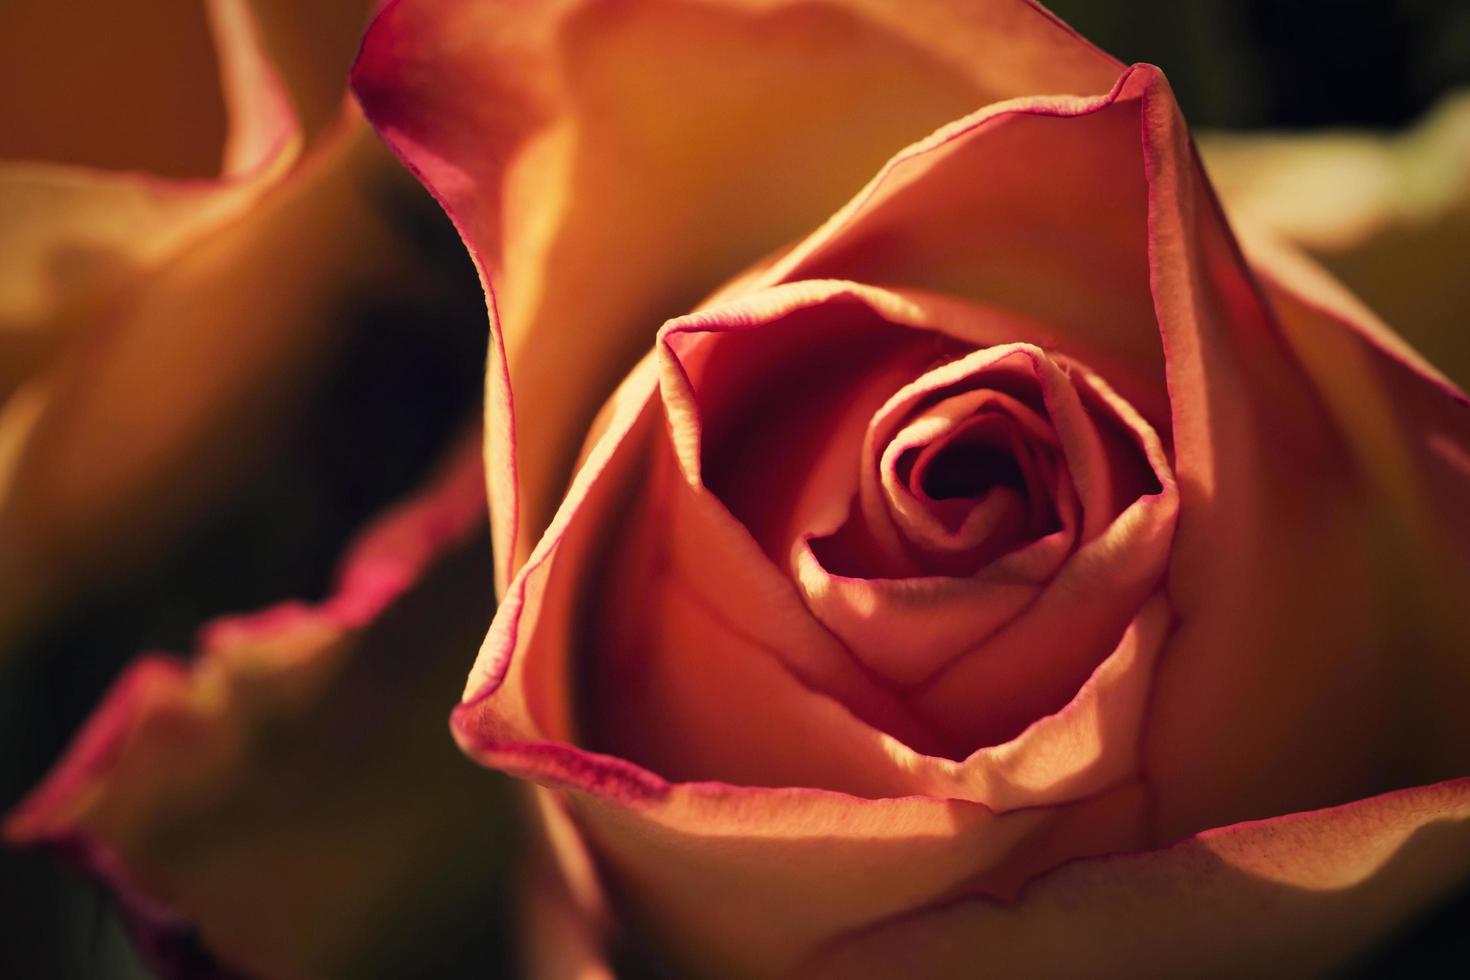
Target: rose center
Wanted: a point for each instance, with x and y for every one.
(967, 468)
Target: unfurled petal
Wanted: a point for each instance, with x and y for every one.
(287, 801)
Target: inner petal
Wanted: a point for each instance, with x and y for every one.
(968, 465)
(969, 488)
(966, 471)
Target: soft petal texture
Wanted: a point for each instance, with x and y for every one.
(1311, 621)
(1388, 215)
(610, 164)
(287, 800)
(1290, 897)
(1269, 491)
(154, 329)
(790, 863)
(63, 62)
(1321, 442)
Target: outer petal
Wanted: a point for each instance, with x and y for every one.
(287, 801)
(1293, 896)
(1335, 456)
(1065, 242)
(609, 164)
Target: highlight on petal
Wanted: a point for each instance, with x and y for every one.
(559, 134)
(1298, 895)
(286, 801)
(1065, 244)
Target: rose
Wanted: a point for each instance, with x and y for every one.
(171, 275)
(1019, 428)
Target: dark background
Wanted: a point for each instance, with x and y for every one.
(1233, 64)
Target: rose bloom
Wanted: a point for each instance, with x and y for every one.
(180, 219)
(1008, 566)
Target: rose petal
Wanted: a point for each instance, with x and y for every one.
(558, 135)
(793, 867)
(1064, 246)
(1328, 625)
(280, 795)
(703, 645)
(1298, 895)
(312, 48)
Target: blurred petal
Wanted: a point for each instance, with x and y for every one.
(76, 95)
(287, 800)
(169, 383)
(610, 165)
(312, 47)
(1388, 215)
(153, 329)
(67, 230)
(1294, 896)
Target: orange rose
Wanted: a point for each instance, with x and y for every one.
(171, 272)
(1006, 573)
